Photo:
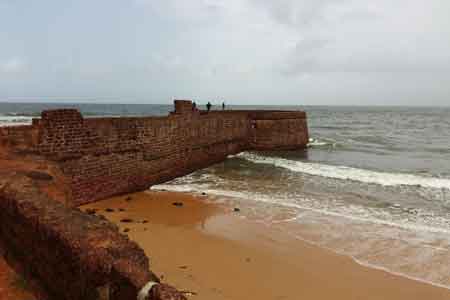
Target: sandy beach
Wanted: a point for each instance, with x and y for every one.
(211, 252)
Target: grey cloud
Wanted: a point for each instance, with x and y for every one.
(13, 65)
(296, 13)
(356, 36)
(252, 51)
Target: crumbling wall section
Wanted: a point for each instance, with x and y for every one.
(73, 254)
(19, 138)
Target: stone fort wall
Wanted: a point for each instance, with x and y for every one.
(102, 157)
(71, 254)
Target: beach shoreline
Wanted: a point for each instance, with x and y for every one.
(212, 252)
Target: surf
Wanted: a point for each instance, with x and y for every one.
(348, 173)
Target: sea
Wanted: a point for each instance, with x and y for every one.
(373, 183)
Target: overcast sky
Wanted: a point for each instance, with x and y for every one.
(331, 52)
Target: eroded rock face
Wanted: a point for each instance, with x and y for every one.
(71, 252)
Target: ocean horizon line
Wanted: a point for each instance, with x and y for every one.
(170, 103)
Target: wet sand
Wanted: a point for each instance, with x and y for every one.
(213, 252)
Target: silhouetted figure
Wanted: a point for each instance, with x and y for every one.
(194, 106)
(208, 106)
(223, 105)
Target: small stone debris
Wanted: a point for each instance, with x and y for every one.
(203, 194)
(109, 210)
(91, 211)
(128, 199)
(178, 204)
(189, 293)
(183, 267)
(144, 222)
(236, 209)
(121, 209)
(126, 230)
(126, 221)
(102, 217)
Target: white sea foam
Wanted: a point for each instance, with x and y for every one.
(388, 270)
(320, 143)
(353, 212)
(417, 234)
(403, 239)
(375, 266)
(14, 120)
(349, 173)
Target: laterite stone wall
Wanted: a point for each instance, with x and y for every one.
(102, 157)
(73, 255)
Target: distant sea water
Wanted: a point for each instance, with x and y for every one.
(373, 184)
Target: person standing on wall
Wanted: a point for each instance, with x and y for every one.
(208, 106)
(223, 105)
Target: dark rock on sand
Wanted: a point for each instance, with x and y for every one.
(126, 230)
(236, 209)
(179, 204)
(128, 199)
(91, 211)
(165, 292)
(109, 210)
(126, 221)
(102, 217)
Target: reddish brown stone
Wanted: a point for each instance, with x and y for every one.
(72, 253)
(104, 157)
(79, 255)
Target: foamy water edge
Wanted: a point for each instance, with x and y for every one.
(349, 173)
(187, 185)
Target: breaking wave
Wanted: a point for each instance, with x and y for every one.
(14, 120)
(321, 143)
(349, 173)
